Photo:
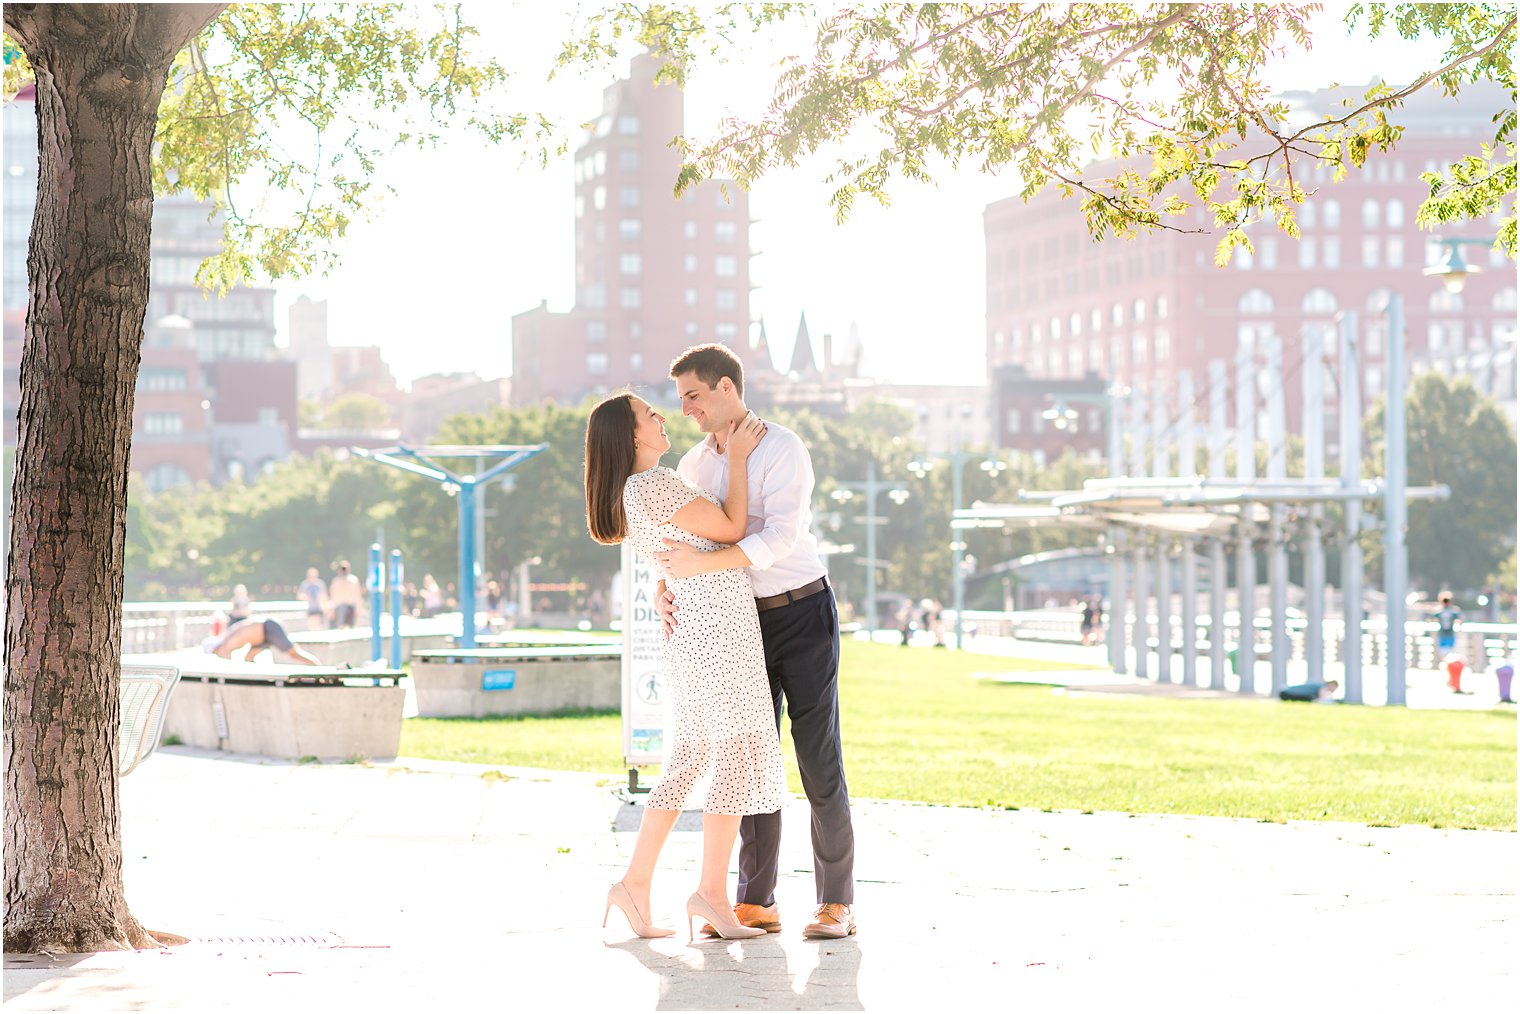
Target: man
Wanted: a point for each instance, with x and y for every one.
(315, 594)
(257, 634)
(345, 593)
(1447, 618)
(799, 625)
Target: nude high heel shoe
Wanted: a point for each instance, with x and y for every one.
(698, 908)
(618, 895)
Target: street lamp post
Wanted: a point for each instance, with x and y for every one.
(993, 467)
(870, 488)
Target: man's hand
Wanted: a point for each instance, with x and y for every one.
(665, 605)
(679, 559)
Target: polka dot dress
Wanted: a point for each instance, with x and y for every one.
(714, 666)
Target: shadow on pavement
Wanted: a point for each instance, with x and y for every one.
(752, 975)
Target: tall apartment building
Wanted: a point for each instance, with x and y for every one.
(1063, 311)
(653, 273)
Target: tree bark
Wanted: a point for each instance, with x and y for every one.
(101, 70)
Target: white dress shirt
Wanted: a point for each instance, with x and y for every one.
(782, 551)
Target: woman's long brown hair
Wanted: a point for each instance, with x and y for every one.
(609, 463)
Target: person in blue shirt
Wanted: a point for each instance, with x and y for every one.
(1447, 618)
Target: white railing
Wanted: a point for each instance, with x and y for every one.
(168, 626)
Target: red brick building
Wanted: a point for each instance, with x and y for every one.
(653, 274)
(1061, 307)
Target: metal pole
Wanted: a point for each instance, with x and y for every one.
(376, 599)
(1395, 506)
(957, 537)
(1161, 468)
(1118, 590)
(1245, 551)
(1218, 574)
(1139, 634)
(871, 548)
(1314, 468)
(1187, 464)
(467, 564)
(1277, 468)
(1351, 476)
(396, 580)
(480, 530)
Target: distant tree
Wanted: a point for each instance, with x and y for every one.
(356, 413)
(1459, 438)
(1043, 89)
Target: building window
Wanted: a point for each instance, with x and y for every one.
(1395, 214)
(726, 267)
(631, 299)
(1332, 252)
(720, 199)
(1138, 314)
(596, 363)
(1118, 315)
(628, 160)
(1015, 422)
(601, 163)
(691, 329)
(635, 329)
(629, 196)
(1395, 251)
(1319, 303)
(580, 206)
(1443, 301)
(630, 264)
(1504, 299)
(159, 378)
(1306, 215)
(1332, 214)
(1161, 308)
(599, 198)
(163, 423)
(635, 362)
(1306, 252)
(1374, 381)
(1255, 302)
(1055, 329)
(1266, 251)
(269, 416)
(1243, 258)
(691, 229)
(727, 332)
(630, 228)
(1163, 346)
(1097, 320)
(1370, 247)
(595, 296)
(628, 125)
(1370, 213)
(691, 297)
(727, 299)
(690, 263)
(166, 476)
(1138, 349)
(725, 232)
(596, 330)
(1076, 324)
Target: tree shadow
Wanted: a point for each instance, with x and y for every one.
(751, 975)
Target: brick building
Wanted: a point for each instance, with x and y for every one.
(1062, 308)
(653, 274)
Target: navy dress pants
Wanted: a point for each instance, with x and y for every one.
(802, 659)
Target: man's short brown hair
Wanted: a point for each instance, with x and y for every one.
(711, 363)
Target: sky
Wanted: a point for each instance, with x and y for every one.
(473, 235)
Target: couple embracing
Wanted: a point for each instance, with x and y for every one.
(749, 620)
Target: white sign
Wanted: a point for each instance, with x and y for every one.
(643, 681)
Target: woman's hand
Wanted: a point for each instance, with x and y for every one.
(744, 436)
(678, 560)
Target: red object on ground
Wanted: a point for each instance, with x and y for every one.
(1454, 667)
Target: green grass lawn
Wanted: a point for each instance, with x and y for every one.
(918, 727)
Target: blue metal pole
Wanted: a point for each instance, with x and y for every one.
(395, 609)
(376, 599)
(467, 561)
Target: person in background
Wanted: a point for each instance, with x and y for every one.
(345, 593)
(1447, 619)
(1089, 615)
(315, 594)
(1321, 692)
(432, 596)
(256, 635)
(241, 605)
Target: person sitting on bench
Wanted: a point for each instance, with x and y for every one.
(256, 634)
(1310, 691)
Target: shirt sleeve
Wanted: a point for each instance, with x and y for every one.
(660, 493)
(787, 490)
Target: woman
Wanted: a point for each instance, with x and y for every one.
(713, 663)
(241, 605)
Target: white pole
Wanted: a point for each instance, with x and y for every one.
(1161, 458)
(1351, 477)
(1245, 550)
(1314, 468)
(1395, 507)
(1218, 574)
(1277, 468)
(1118, 590)
(1140, 635)
(1187, 464)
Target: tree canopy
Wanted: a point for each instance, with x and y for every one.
(1170, 98)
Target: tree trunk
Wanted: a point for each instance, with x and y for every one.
(100, 71)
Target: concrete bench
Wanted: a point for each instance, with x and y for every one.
(519, 680)
(351, 645)
(286, 711)
(145, 694)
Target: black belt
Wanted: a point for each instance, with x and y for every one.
(788, 597)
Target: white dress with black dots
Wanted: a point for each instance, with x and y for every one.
(714, 665)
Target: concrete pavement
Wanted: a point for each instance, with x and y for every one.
(421, 886)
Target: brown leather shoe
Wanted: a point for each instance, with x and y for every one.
(764, 917)
(832, 921)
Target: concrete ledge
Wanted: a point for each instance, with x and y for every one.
(330, 723)
(476, 687)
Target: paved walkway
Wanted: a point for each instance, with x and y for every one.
(421, 886)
